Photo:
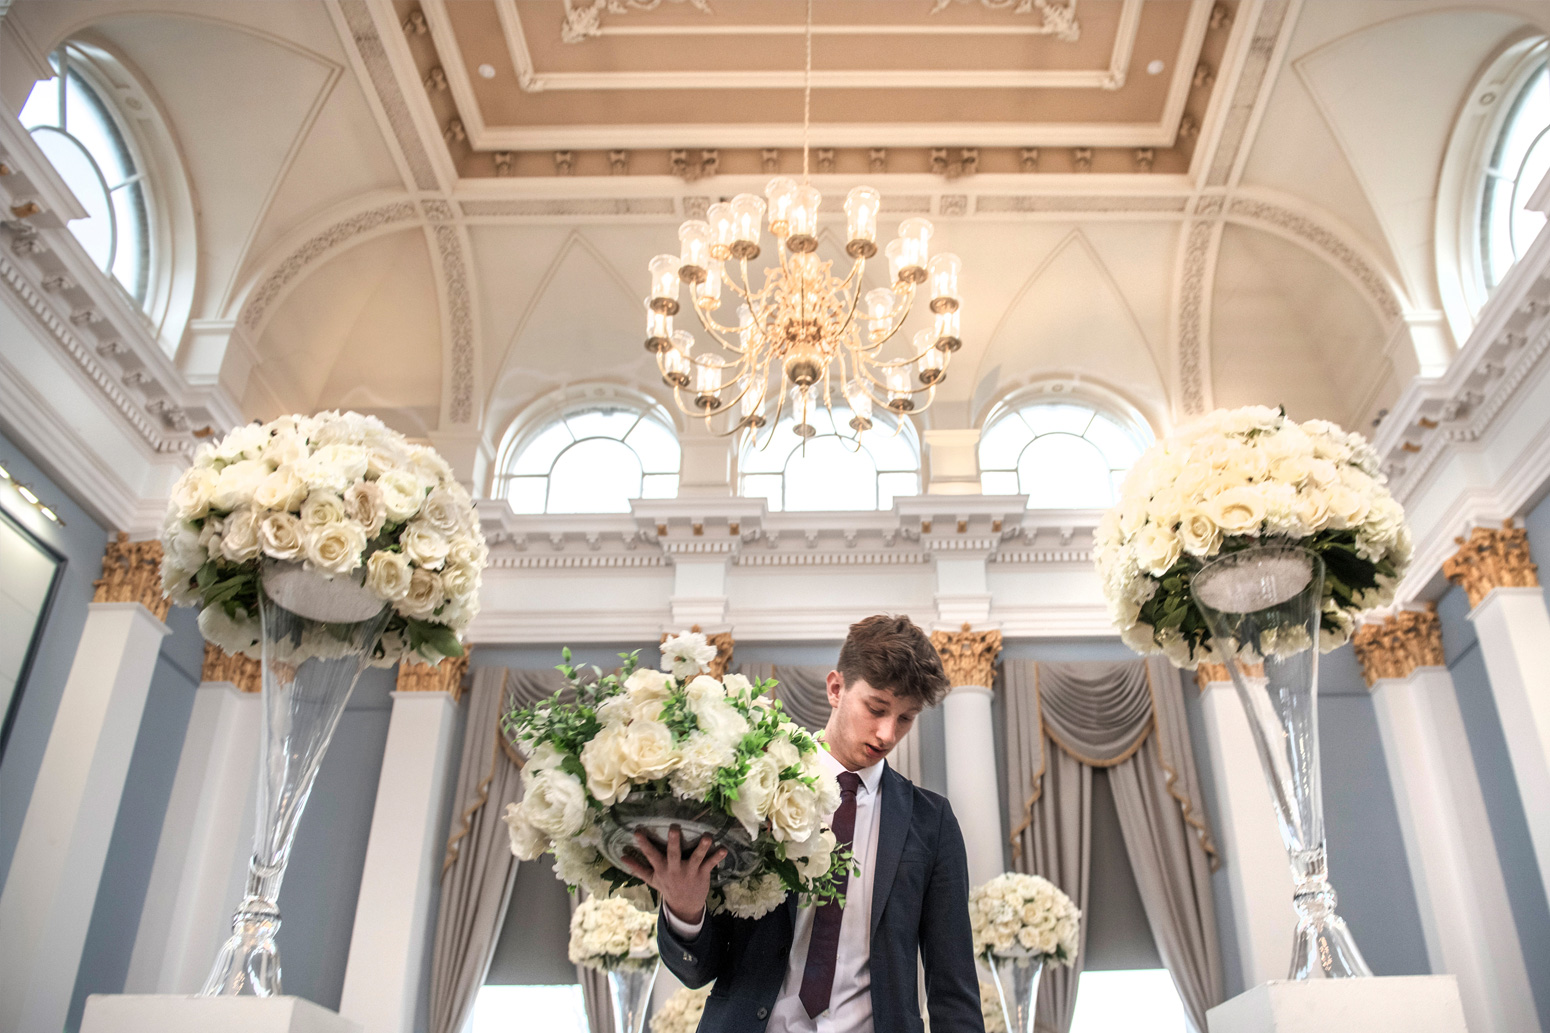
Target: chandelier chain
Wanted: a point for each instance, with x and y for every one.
(807, 89)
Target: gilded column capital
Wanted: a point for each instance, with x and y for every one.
(968, 657)
(1492, 558)
(724, 644)
(446, 676)
(1207, 673)
(1395, 646)
(131, 573)
(246, 674)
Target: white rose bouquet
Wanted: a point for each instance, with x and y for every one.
(1016, 915)
(346, 497)
(1238, 478)
(644, 748)
(606, 934)
(681, 1012)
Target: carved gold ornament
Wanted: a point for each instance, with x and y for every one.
(247, 675)
(1395, 646)
(131, 573)
(446, 676)
(1492, 558)
(969, 657)
(724, 644)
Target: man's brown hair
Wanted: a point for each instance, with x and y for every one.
(891, 653)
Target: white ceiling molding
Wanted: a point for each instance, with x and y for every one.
(1225, 144)
(369, 53)
(584, 18)
(1198, 247)
(451, 257)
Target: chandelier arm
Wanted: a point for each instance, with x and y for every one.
(716, 330)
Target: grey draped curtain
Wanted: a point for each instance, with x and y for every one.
(1065, 719)
(478, 868)
(804, 694)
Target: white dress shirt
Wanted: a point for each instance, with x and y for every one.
(850, 1003)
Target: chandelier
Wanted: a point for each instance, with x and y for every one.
(802, 329)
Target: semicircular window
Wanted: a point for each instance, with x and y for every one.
(87, 144)
(1518, 164)
(593, 459)
(1062, 455)
(833, 468)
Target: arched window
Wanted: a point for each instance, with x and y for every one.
(834, 467)
(1062, 454)
(89, 147)
(593, 457)
(1518, 162)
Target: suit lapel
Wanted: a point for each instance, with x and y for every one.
(897, 804)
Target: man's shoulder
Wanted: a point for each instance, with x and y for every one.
(927, 806)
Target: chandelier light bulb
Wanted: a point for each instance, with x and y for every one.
(719, 215)
(915, 234)
(895, 255)
(899, 398)
(707, 384)
(804, 400)
(947, 334)
(664, 283)
(944, 270)
(694, 238)
(747, 220)
(707, 295)
(860, 406)
(803, 220)
(782, 194)
(933, 361)
(659, 329)
(751, 405)
(675, 361)
(861, 207)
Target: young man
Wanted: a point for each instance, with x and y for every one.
(847, 968)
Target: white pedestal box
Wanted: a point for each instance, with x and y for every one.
(172, 1013)
(1387, 1004)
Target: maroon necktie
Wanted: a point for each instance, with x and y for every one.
(823, 948)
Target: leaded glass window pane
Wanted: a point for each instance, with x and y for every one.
(593, 459)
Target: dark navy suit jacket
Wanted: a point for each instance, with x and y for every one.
(920, 903)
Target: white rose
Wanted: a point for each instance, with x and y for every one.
(402, 494)
(424, 545)
(720, 719)
(815, 856)
(363, 501)
(279, 535)
(794, 811)
(737, 685)
(424, 595)
(527, 843)
(783, 753)
(428, 466)
(333, 467)
(442, 511)
(191, 495)
(321, 509)
(237, 483)
(1156, 549)
(602, 759)
(337, 547)
(281, 490)
(469, 550)
(245, 442)
(1198, 533)
(459, 581)
(388, 575)
(756, 793)
(1347, 508)
(1237, 510)
(646, 751)
(285, 448)
(555, 803)
(239, 542)
(1312, 509)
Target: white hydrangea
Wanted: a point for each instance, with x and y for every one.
(754, 896)
(687, 654)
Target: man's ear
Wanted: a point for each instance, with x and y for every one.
(835, 684)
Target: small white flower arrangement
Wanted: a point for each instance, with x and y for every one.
(1016, 915)
(681, 1012)
(607, 934)
(663, 741)
(1238, 478)
(342, 495)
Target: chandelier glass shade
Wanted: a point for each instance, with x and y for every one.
(805, 329)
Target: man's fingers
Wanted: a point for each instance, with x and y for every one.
(649, 850)
(701, 849)
(718, 857)
(640, 871)
(674, 849)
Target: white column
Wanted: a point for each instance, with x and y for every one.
(1465, 914)
(1259, 878)
(47, 902)
(206, 839)
(971, 778)
(403, 862)
(1514, 630)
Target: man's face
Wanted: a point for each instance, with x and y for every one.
(866, 722)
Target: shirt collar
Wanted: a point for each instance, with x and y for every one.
(870, 776)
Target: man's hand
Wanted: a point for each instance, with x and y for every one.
(683, 882)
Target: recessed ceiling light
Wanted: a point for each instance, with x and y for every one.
(1155, 68)
(488, 71)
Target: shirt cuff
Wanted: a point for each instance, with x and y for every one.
(683, 930)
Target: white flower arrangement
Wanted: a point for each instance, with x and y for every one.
(681, 1012)
(607, 934)
(1018, 915)
(660, 738)
(990, 1009)
(346, 497)
(1234, 479)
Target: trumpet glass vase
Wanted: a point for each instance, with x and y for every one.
(317, 637)
(630, 986)
(1262, 606)
(1017, 983)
